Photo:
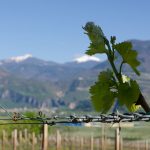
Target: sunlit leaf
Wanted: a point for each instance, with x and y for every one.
(102, 94)
(96, 37)
(125, 78)
(128, 93)
(134, 107)
(128, 55)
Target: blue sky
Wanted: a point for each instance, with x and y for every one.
(52, 29)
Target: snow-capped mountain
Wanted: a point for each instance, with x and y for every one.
(18, 59)
(86, 58)
(29, 81)
(85, 62)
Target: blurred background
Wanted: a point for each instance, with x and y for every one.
(43, 65)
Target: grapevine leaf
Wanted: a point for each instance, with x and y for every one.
(102, 94)
(128, 93)
(95, 49)
(129, 56)
(96, 37)
(134, 107)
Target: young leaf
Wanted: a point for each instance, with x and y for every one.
(113, 86)
(96, 37)
(134, 107)
(125, 78)
(128, 93)
(102, 94)
(128, 55)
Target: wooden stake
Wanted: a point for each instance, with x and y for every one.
(45, 137)
(121, 143)
(117, 139)
(138, 145)
(25, 134)
(20, 137)
(103, 138)
(3, 139)
(81, 143)
(15, 139)
(33, 140)
(58, 140)
(91, 145)
(146, 145)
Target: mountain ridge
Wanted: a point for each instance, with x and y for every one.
(39, 83)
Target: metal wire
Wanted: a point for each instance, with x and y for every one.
(74, 119)
(3, 108)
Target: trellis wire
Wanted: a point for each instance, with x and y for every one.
(75, 119)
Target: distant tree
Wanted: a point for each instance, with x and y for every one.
(112, 84)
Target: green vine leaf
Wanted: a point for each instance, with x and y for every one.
(128, 93)
(128, 55)
(96, 37)
(103, 92)
(112, 85)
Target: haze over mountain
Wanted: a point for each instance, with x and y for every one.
(26, 81)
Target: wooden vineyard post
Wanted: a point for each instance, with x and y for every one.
(20, 137)
(103, 138)
(45, 137)
(121, 143)
(81, 143)
(117, 139)
(76, 142)
(14, 139)
(3, 139)
(58, 140)
(71, 143)
(64, 142)
(91, 142)
(33, 140)
(138, 145)
(25, 135)
(146, 144)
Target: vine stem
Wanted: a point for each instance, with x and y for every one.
(121, 67)
(141, 100)
(110, 58)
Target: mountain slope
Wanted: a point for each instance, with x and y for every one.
(143, 49)
(31, 82)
